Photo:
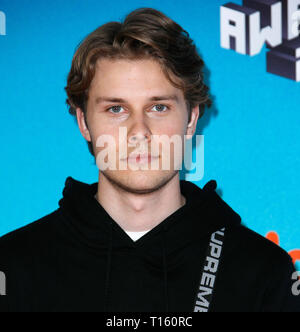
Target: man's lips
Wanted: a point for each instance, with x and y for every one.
(141, 158)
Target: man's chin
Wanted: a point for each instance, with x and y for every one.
(139, 182)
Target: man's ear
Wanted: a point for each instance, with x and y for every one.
(82, 124)
(191, 128)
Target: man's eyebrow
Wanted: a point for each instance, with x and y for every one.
(166, 97)
(124, 101)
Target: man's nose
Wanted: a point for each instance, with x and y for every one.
(139, 131)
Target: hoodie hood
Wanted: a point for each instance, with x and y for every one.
(204, 213)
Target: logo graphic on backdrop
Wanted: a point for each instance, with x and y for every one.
(2, 24)
(276, 23)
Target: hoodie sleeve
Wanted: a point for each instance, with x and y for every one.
(283, 289)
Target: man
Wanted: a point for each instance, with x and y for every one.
(140, 239)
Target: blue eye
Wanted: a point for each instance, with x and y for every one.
(160, 108)
(115, 109)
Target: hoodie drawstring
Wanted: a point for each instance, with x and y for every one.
(165, 269)
(108, 269)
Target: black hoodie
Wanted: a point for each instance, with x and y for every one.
(200, 258)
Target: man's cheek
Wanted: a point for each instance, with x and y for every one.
(106, 152)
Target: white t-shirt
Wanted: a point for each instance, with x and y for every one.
(136, 235)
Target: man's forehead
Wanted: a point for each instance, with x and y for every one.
(127, 80)
(162, 97)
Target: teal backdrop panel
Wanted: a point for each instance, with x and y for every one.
(252, 147)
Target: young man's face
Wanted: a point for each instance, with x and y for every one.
(122, 95)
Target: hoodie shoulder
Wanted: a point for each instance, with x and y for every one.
(29, 235)
(255, 249)
(246, 241)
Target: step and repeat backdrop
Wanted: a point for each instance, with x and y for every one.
(251, 49)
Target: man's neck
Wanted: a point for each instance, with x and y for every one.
(137, 213)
